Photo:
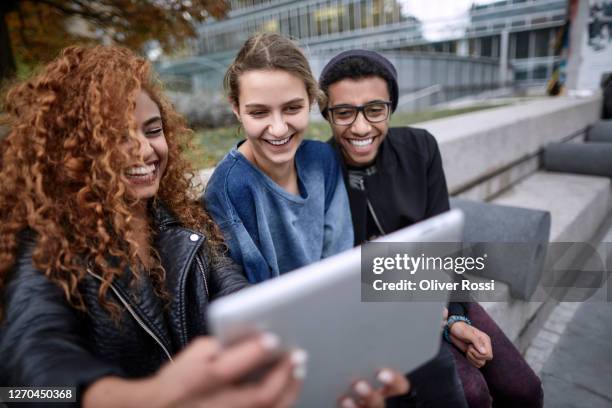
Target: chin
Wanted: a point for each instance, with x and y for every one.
(282, 158)
(145, 194)
(286, 158)
(362, 160)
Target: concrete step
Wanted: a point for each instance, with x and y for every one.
(578, 205)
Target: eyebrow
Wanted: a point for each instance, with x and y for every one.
(152, 120)
(261, 105)
(342, 105)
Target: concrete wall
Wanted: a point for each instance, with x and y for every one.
(479, 145)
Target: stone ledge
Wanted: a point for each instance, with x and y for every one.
(477, 145)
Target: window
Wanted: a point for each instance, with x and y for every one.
(486, 47)
(472, 47)
(352, 8)
(520, 75)
(363, 12)
(284, 23)
(542, 43)
(304, 23)
(540, 72)
(294, 24)
(270, 26)
(391, 11)
(522, 45)
(495, 51)
(312, 21)
(377, 13)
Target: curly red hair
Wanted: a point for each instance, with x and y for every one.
(61, 169)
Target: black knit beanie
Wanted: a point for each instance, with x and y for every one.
(373, 58)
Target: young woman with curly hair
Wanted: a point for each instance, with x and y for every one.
(106, 261)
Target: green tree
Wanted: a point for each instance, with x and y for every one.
(33, 31)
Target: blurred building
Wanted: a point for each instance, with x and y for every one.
(521, 33)
(510, 41)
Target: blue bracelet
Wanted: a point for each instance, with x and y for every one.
(452, 320)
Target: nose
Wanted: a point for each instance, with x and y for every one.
(144, 148)
(278, 127)
(361, 126)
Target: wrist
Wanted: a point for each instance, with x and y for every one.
(451, 321)
(163, 393)
(119, 392)
(154, 394)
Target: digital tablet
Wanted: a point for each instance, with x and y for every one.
(319, 308)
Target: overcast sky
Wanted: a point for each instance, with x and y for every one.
(428, 10)
(437, 14)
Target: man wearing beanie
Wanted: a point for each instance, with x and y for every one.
(397, 171)
(394, 178)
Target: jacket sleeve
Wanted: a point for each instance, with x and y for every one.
(456, 309)
(226, 277)
(40, 340)
(338, 232)
(437, 192)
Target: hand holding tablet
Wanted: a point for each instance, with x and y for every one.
(392, 383)
(318, 308)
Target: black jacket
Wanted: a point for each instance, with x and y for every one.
(46, 342)
(408, 186)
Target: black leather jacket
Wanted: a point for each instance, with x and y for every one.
(46, 342)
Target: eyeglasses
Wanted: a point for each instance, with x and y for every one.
(374, 112)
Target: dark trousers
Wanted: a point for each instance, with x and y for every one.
(505, 381)
(434, 385)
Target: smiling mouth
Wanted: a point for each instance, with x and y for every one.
(144, 174)
(361, 142)
(279, 142)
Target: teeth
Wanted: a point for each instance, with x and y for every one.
(361, 142)
(140, 170)
(279, 142)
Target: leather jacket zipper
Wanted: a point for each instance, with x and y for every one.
(203, 271)
(382, 231)
(134, 315)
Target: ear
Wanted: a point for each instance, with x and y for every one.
(236, 111)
